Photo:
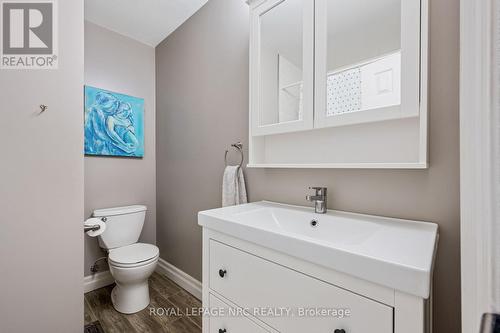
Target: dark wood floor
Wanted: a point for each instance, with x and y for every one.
(164, 294)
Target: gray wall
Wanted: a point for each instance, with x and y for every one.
(117, 63)
(202, 96)
(41, 189)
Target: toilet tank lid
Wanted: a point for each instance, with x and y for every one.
(119, 210)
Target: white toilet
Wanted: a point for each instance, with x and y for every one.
(130, 263)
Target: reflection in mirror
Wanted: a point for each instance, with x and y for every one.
(281, 64)
(363, 55)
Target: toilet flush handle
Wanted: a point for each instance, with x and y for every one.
(91, 228)
(94, 227)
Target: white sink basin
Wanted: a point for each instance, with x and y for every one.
(395, 253)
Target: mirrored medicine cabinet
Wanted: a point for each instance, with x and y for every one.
(338, 83)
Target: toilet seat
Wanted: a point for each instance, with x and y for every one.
(136, 265)
(135, 255)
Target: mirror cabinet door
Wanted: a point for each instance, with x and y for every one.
(362, 48)
(282, 55)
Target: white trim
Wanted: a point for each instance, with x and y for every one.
(254, 3)
(424, 83)
(418, 165)
(186, 281)
(494, 232)
(476, 147)
(96, 281)
(183, 279)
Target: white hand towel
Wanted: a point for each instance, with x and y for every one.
(233, 187)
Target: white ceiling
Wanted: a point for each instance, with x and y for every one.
(148, 21)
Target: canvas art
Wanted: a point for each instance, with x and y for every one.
(114, 124)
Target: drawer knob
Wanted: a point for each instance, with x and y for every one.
(222, 330)
(339, 331)
(222, 273)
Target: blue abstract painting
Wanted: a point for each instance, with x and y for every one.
(114, 124)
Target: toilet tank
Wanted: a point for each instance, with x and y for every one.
(123, 225)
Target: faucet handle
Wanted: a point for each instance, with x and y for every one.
(319, 190)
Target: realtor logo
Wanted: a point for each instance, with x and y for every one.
(28, 34)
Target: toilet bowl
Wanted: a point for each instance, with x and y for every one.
(130, 263)
(131, 266)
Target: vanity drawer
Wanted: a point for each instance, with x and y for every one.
(231, 323)
(253, 283)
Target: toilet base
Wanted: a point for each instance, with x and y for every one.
(131, 298)
(131, 293)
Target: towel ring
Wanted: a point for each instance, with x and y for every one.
(238, 146)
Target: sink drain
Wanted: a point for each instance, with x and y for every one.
(314, 223)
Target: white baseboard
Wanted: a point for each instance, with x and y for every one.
(96, 281)
(186, 281)
(183, 279)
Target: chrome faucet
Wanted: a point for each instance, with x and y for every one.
(319, 199)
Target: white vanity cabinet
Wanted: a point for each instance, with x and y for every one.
(254, 282)
(259, 275)
(230, 322)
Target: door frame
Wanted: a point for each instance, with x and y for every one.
(478, 150)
